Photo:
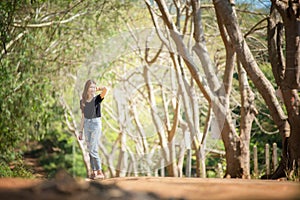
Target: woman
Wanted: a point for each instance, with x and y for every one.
(90, 106)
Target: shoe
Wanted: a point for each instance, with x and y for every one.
(98, 176)
(92, 176)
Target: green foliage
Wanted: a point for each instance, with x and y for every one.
(33, 76)
(18, 170)
(61, 153)
(5, 171)
(27, 99)
(24, 108)
(211, 174)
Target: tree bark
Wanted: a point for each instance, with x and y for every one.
(248, 112)
(286, 71)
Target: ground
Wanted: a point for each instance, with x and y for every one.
(65, 187)
(198, 188)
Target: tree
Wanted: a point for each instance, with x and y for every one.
(217, 98)
(39, 52)
(284, 17)
(284, 78)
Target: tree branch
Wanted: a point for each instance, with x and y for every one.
(47, 24)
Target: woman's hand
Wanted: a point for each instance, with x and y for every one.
(99, 89)
(103, 92)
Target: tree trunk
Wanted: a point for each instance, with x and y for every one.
(233, 151)
(229, 136)
(200, 152)
(245, 56)
(73, 128)
(211, 91)
(248, 112)
(122, 109)
(286, 71)
(172, 168)
(158, 123)
(277, 60)
(247, 97)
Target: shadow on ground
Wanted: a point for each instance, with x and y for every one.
(64, 187)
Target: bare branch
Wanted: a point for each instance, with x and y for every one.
(47, 24)
(254, 28)
(147, 49)
(10, 44)
(263, 129)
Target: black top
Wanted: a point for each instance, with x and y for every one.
(92, 109)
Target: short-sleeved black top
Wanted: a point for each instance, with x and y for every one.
(92, 109)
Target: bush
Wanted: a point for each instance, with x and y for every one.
(18, 170)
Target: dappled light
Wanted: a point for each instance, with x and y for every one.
(152, 99)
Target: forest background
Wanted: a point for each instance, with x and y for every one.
(49, 49)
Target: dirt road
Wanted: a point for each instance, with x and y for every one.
(65, 187)
(196, 188)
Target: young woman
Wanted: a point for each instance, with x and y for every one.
(90, 106)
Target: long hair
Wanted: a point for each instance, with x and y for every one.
(84, 93)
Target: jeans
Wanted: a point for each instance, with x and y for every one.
(92, 132)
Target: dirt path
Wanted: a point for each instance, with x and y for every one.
(65, 187)
(196, 188)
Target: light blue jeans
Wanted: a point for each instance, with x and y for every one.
(92, 132)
